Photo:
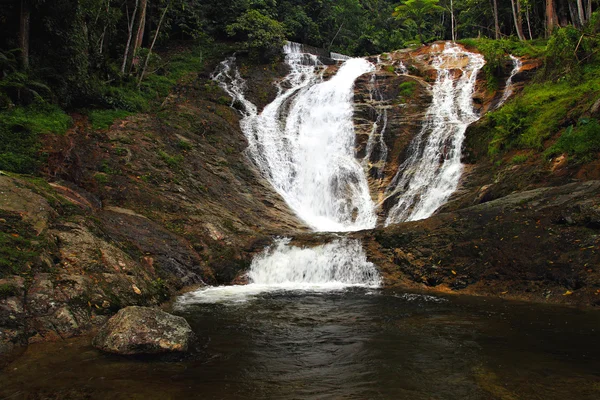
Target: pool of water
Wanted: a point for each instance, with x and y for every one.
(352, 344)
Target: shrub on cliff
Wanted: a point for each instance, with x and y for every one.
(262, 35)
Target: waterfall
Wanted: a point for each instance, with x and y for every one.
(303, 142)
(376, 151)
(431, 172)
(339, 264)
(508, 88)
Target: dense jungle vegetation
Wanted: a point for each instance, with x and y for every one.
(109, 58)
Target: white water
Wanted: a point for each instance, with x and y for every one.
(337, 265)
(508, 88)
(376, 141)
(431, 173)
(303, 143)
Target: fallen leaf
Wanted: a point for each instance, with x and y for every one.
(567, 293)
(136, 289)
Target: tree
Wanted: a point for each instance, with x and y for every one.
(551, 18)
(496, 24)
(417, 12)
(262, 35)
(25, 20)
(516, 9)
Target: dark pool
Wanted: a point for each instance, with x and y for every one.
(357, 344)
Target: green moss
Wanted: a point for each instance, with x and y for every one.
(103, 119)
(20, 131)
(520, 158)
(20, 247)
(102, 178)
(183, 145)
(541, 111)
(171, 161)
(407, 89)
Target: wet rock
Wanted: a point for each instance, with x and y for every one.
(144, 330)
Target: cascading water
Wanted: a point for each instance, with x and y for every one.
(304, 144)
(376, 141)
(431, 172)
(508, 88)
(339, 264)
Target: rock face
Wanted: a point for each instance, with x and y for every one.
(540, 245)
(144, 330)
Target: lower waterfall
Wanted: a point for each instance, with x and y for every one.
(339, 264)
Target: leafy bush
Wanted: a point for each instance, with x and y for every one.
(581, 141)
(262, 35)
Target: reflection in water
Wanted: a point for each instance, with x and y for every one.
(381, 345)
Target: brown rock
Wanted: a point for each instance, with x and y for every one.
(144, 330)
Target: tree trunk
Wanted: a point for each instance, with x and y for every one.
(551, 19)
(529, 24)
(101, 45)
(589, 10)
(129, 34)
(162, 17)
(141, 25)
(496, 24)
(518, 19)
(452, 20)
(574, 15)
(581, 12)
(24, 29)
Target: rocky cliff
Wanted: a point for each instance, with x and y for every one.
(132, 214)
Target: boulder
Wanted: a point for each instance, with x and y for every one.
(144, 330)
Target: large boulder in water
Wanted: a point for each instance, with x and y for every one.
(144, 330)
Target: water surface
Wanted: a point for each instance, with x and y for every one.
(355, 344)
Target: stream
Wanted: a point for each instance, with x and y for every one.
(358, 343)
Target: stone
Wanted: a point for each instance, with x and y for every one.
(144, 330)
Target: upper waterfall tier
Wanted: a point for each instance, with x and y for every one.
(304, 141)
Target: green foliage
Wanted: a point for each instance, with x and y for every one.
(421, 13)
(103, 119)
(407, 89)
(581, 142)
(263, 35)
(566, 48)
(496, 54)
(20, 129)
(171, 161)
(542, 110)
(184, 145)
(520, 158)
(8, 290)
